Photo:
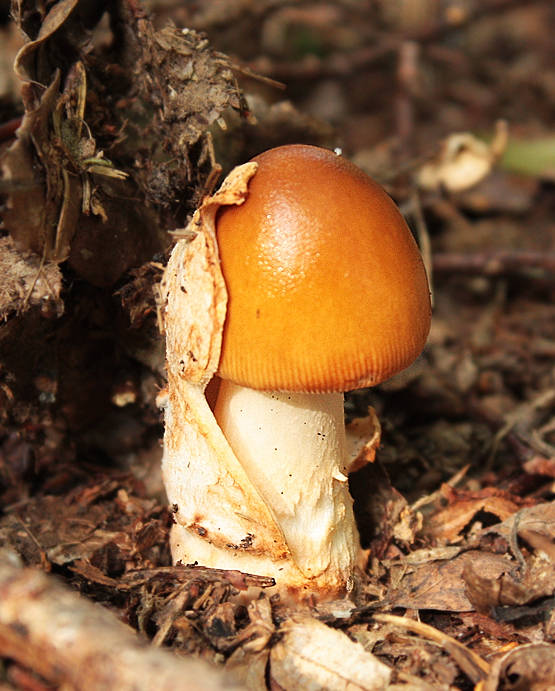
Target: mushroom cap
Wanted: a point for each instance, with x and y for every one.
(327, 290)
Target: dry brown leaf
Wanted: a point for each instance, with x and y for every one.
(31, 211)
(510, 587)
(363, 439)
(447, 524)
(538, 520)
(526, 668)
(440, 585)
(462, 161)
(310, 655)
(27, 66)
(446, 580)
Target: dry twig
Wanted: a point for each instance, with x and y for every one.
(495, 262)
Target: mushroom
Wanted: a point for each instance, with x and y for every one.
(326, 293)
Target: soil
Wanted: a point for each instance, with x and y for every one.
(116, 120)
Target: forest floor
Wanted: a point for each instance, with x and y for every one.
(113, 126)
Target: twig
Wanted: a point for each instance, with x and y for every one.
(175, 606)
(423, 240)
(495, 263)
(407, 80)
(336, 65)
(545, 398)
(471, 664)
(443, 29)
(81, 646)
(34, 282)
(181, 574)
(513, 543)
(343, 64)
(524, 452)
(430, 498)
(247, 72)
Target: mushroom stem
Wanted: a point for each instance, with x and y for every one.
(292, 448)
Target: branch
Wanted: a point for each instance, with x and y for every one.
(494, 262)
(81, 646)
(443, 29)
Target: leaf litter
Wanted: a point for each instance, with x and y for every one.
(124, 129)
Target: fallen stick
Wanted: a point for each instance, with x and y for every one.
(74, 643)
(494, 262)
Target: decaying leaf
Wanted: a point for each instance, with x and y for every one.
(383, 513)
(463, 160)
(528, 579)
(448, 523)
(526, 668)
(33, 62)
(510, 587)
(31, 218)
(456, 579)
(440, 585)
(535, 524)
(363, 439)
(310, 655)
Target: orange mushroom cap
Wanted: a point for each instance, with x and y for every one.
(327, 289)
